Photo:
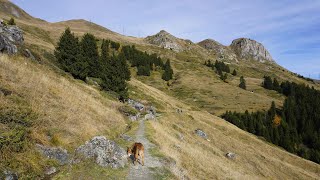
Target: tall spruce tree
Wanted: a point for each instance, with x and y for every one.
(234, 73)
(89, 52)
(242, 83)
(168, 72)
(68, 55)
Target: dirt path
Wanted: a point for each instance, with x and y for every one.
(144, 172)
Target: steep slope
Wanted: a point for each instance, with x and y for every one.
(198, 158)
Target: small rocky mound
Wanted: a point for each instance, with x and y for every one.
(57, 153)
(248, 48)
(10, 36)
(231, 155)
(104, 151)
(201, 133)
(165, 40)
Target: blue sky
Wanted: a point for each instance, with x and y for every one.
(290, 29)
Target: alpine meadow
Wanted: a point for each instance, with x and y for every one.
(80, 101)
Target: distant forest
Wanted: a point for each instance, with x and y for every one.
(295, 127)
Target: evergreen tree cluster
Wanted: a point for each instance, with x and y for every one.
(81, 58)
(220, 67)
(146, 63)
(295, 127)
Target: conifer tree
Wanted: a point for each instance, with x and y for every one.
(68, 55)
(242, 83)
(90, 55)
(168, 72)
(234, 73)
(267, 83)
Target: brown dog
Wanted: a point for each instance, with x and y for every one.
(136, 150)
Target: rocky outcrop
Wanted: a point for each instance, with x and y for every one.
(250, 49)
(223, 52)
(165, 40)
(10, 36)
(105, 152)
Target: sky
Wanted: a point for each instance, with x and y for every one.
(289, 29)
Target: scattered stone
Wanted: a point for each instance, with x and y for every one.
(152, 110)
(179, 111)
(104, 151)
(201, 133)
(57, 153)
(126, 137)
(231, 155)
(51, 171)
(5, 92)
(28, 54)
(181, 137)
(8, 175)
(138, 106)
(149, 117)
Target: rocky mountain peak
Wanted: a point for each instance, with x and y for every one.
(222, 51)
(165, 40)
(248, 48)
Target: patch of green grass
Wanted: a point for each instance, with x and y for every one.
(162, 173)
(89, 170)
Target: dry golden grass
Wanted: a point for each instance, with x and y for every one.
(256, 159)
(70, 110)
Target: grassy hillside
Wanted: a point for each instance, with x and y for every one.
(57, 110)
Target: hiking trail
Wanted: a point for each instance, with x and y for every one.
(144, 172)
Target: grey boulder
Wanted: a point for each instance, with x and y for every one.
(105, 152)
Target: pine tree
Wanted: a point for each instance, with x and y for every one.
(168, 72)
(68, 55)
(276, 85)
(267, 83)
(234, 73)
(89, 52)
(124, 68)
(242, 83)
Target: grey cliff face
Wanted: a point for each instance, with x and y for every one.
(248, 48)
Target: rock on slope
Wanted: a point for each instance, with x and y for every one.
(165, 40)
(248, 48)
(9, 37)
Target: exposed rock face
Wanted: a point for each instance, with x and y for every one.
(222, 51)
(10, 36)
(165, 40)
(105, 152)
(57, 153)
(248, 48)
